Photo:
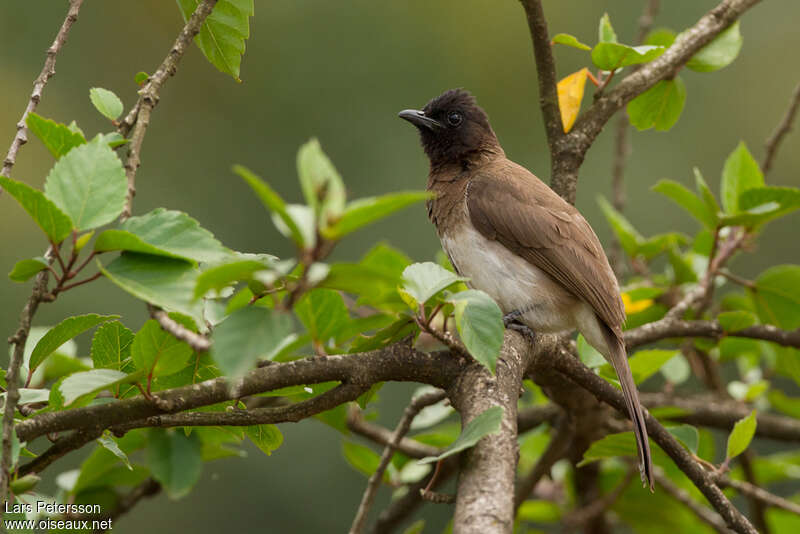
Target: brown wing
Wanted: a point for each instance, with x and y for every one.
(508, 204)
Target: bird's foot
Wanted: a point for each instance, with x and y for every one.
(526, 331)
(511, 318)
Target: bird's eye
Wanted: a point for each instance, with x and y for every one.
(454, 118)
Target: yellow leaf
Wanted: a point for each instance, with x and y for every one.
(637, 306)
(570, 95)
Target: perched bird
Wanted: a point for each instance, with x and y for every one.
(521, 243)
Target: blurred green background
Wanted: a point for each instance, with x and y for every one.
(341, 71)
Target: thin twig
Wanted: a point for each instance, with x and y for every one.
(583, 516)
(383, 436)
(750, 490)
(758, 509)
(705, 515)
(48, 71)
(198, 342)
(411, 411)
(783, 128)
(138, 119)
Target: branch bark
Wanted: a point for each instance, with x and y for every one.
(783, 128)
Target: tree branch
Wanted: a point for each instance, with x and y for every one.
(61, 447)
(783, 128)
(198, 342)
(670, 328)
(401, 430)
(138, 118)
(751, 490)
(48, 70)
(704, 514)
(383, 436)
(562, 436)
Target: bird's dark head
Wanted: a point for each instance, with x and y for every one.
(452, 127)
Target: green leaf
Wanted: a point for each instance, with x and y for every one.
(569, 40)
(610, 446)
(539, 512)
(164, 282)
(660, 37)
(736, 320)
(686, 434)
(684, 198)
(55, 223)
(705, 193)
(58, 138)
(24, 270)
(362, 459)
(88, 184)
(107, 103)
(141, 77)
(628, 237)
(741, 435)
(613, 56)
(273, 202)
(480, 325)
(323, 313)
(676, 369)
(158, 353)
(606, 33)
(718, 53)
(364, 211)
(485, 424)
(222, 36)
(783, 403)
(321, 184)
(644, 364)
(87, 384)
(24, 484)
(659, 107)
(221, 276)
(589, 355)
(111, 444)
(247, 335)
(175, 460)
(111, 347)
(760, 205)
(162, 232)
(681, 266)
(63, 332)
(266, 437)
(777, 296)
(741, 172)
(424, 280)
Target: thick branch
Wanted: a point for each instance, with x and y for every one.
(784, 127)
(670, 328)
(139, 117)
(401, 430)
(48, 70)
(62, 446)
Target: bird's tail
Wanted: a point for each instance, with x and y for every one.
(619, 361)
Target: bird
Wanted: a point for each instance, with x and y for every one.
(515, 239)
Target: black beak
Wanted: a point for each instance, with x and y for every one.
(419, 119)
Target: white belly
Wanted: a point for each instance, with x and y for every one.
(512, 282)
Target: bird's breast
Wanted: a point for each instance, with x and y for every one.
(513, 282)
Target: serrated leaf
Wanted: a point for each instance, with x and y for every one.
(485, 424)
(605, 32)
(111, 444)
(158, 353)
(272, 201)
(741, 435)
(613, 56)
(570, 95)
(732, 321)
(424, 280)
(222, 35)
(247, 335)
(777, 296)
(57, 138)
(323, 313)
(718, 53)
(164, 282)
(89, 383)
(480, 325)
(741, 172)
(63, 332)
(660, 106)
(162, 232)
(321, 184)
(684, 198)
(88, 184)
(627, 235)
(175, 460)
(24, 270)
(107, 103)
(569, 40)
(266, 437)
(55, 223)
(111, 347)
(364, 211)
